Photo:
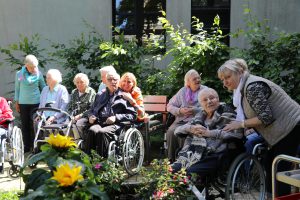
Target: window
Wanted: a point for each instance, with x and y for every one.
(138, 18)
(206, 10)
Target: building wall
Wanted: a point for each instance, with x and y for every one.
(62, 20)
(282, 15)
(56, 20)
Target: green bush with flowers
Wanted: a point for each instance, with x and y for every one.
(108, 175)
(159, 182)
(69, 173)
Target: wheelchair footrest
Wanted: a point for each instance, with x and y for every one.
(291, 177)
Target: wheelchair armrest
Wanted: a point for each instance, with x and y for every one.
(126, 123)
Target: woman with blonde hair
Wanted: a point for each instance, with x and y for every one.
(268, 109)
(132, 93)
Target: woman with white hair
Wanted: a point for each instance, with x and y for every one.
(183, 105)
(29, 83)
(56, 94)
(81, 100)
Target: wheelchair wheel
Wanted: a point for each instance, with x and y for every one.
(17, 147)
(245, 179)
(133, 151)
(14, 171)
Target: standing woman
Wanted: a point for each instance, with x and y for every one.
(183, 105)
(29, 83)
(133, 94)
(269, 110)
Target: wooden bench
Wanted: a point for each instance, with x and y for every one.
(156, 108)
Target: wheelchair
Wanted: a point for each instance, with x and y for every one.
(244, 179)
(127, 148)
(12, 149)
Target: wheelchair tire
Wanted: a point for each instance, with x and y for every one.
(14, 171)
(133, 151)
(245, 179)
(17, 147)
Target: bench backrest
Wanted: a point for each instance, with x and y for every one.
(155, 103)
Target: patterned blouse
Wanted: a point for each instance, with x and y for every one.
(85, 101)
(257, 94)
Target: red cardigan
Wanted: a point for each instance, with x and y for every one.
(5, 111)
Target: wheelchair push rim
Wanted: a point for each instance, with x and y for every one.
(17, 147)
(246, 179)
(133, 151)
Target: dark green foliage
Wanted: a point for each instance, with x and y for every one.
(275, 59)
(15, 53)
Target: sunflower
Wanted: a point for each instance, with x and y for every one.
(67, 175)
(61, 141)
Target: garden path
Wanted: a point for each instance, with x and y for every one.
(10, 184)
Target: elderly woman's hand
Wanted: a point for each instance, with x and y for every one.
(197, 129)
(50, 120)
(127, 96)
(92, 119)
(186, 111)
(234, 125)
(111, 120)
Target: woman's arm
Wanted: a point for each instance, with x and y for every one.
(257, 94)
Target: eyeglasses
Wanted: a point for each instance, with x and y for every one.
(112, 79)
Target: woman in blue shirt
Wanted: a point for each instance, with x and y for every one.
(29, 83)
(57, 94)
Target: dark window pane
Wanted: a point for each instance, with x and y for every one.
(152, 5)
(222, 3)
(200, 3)
(124, 6)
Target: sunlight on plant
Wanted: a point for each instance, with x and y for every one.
(60, 141)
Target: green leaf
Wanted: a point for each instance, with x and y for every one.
(95, 190)
(37, 178)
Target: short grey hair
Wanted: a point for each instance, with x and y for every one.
(107, 69)
(32, 60)
(188, 75)
(83, 77)
(113, 73)
(236, 65)
(56, 75)
(205, 90)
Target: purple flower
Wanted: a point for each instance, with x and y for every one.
(98, 166)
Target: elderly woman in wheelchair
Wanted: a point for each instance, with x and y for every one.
(11, 142)
(206, 141)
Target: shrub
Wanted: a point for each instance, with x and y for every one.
(203, 51)
(275, 59)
